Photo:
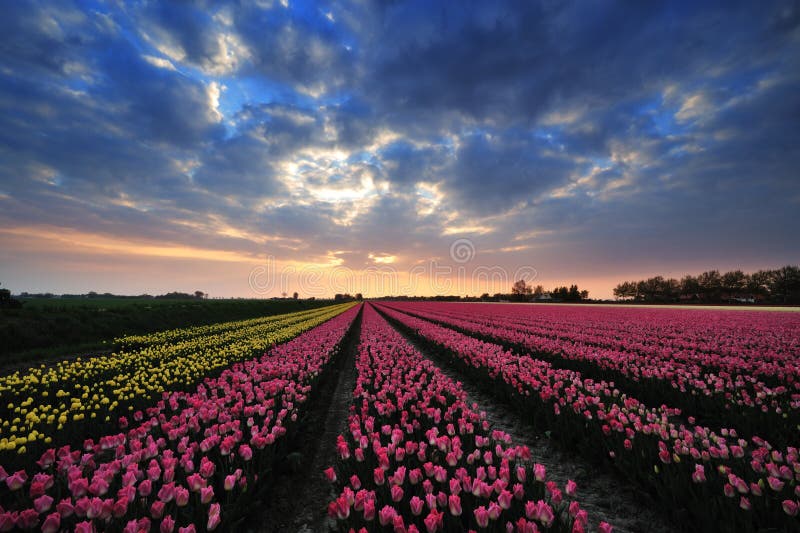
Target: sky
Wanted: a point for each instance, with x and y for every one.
(254, 147)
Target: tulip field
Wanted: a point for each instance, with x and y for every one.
(733, 376)
(184, 429)
(417, 457)
(179, 454)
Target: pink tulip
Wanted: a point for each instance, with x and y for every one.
(699, 475)
(504, 499)
(523, 526)
(16, 480)
(775, 483)
(157, 509)
(145, 488)
(181, 496)
(8, 520)
(214, 518)
(330, 473)
(120, 508)
(207, 468)
(48, 458)
(95, 508)
(167, 525)
(396, 493)
(28, 519)
(386, 514)
(728, 490)
(65, 508)
(206, 494)
(454, 503)
(43, 503)
(544, 513)
(245, 452)
(84, 527)
(342, 507)
(744, 503)
(481, 516)
(167, 493)
(195, 482)
(416, 505)
(571, 488)
(433, 521)
(790, 507)
(52, 523)
(369, 510)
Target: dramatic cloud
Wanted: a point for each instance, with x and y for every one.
(591, 142)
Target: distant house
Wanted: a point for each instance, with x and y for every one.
(544, 298)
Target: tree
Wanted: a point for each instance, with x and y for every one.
(689, 287)
(759, 282)
(574, 294)
(784, 284)
(199, 295)
(560, 292)
(5, 296)
(538, 291)
(520, 288)
(359, 296)
(710, 284)
(734, 283)
(7, 302)
(295, 296)
(626, 290)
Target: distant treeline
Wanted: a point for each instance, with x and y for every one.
(196, 295)
(781, 285)
(346, 297)
(520, 292)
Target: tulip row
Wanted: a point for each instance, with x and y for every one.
(764, 344)
(172, 336)
(417, 457)
(655, 374)
(49, 405)
(723, 482)
(190, 462)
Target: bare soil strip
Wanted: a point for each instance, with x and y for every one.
(298, 497)
(600, 491)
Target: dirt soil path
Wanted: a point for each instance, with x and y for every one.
(298, 498)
